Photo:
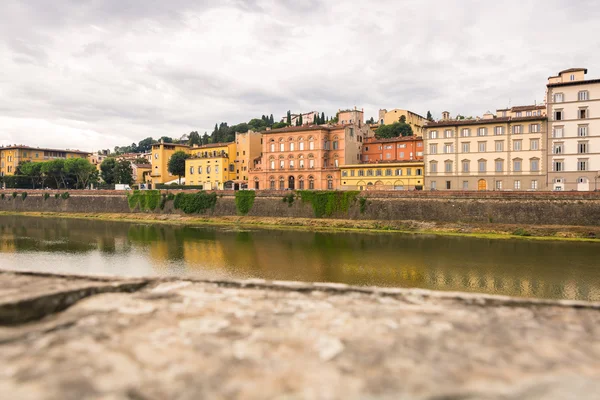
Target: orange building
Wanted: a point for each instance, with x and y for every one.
(307, 157)
(408, 148)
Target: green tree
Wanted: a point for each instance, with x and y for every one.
(166, 139)
(429, 116)
(271, 120)
(205, 138)
(279, 125)
(107, 170)
(257, 124)
(394, 130)
(145, 145)
(371, 120)
(300, 120)
(194, 138)
(323, 121)
(34, 172)
(123, 172)
(82, 171)
(176, 164)
(55, 169)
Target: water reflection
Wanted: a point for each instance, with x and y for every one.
(512, 267)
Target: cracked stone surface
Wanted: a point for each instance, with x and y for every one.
(174, 339)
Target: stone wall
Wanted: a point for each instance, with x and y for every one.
(506, 208)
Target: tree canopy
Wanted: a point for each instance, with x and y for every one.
(176, 165)
(75, 173)
(400, 128)
(115, 172)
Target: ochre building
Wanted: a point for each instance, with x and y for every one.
(12, 156)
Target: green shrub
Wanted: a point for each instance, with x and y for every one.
(170, 196)
(521, 232)
(65, 195)
(14, 195)
(147, 200)
(363, 204)
(2, 195)
(328, 203)
(24, 195)
(195, 203)
(56, 195)
(163, 201)
(244, 200)
(46, 195)
(289, 199)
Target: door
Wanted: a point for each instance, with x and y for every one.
(482, 185)
(291, 183)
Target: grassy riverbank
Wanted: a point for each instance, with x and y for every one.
(488, 231)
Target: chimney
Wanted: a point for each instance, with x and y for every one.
(445, 116)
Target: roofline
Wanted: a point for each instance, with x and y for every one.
(585, 71)
(45, 149)
(573, 83)
(387, 164)
(490, 121)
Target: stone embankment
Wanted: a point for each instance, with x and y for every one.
(569, 209)
(64, 337)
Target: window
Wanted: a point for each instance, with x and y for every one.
(432, 167)
(582, 130)
(499, 130)
(466, 132)
(534, 165)
(534, 144)
(433, 185)
(329, 183)
(448, 166)
(466, 147)
(558, 132)
(272, 147)
(519, 114)
(582, 147)
(352, 173)
(311, 144)
(419, 172)
(399, 172)
(517, 129)
(311, 182)
(369, 172)
(433, 148)
(388, 172)
(208, 169)
(448, 148)
(272, 164)
(482, 132)
(558, 166)
(572, 77)
(335, 145)
(558, 115)
(191, 170)
(281, 146)
(433, 135)
(534, 128)
(361, 172)
(200, 170)
(311, 163)
(558, 97)
(534, 184)
(466, 166)
(401, 146)
(517, 185)
(582, 165)
(301, 183)
(482, 147)
(448, 185)
(291, 164)
(388, 156)
(281, 164)
(499, 165)
(517, 165)
(408, 171)
(465, 185)
(498, 185)
(272, 183)
(582, 113)
(301, 147)
(557, 148)
(499, 146)
(517, 145)
(583, 95)
(528, 114)
(448, 133)
(378, 172)
(281, 183)
(292, 146)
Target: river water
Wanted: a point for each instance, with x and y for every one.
(549, 269)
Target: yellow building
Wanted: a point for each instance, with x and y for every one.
(405, 175)
(141, 172)
(248, 148)
(416, 121)
(12, 156)
(161, 154)
(211, 166)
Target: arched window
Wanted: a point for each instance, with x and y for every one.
(335, 143)
(281, 162)
(271, 162)
(256, 183)
(272, 183)
(311, 182)
(192, 170)
(336, 161)
(301, 182)
(311, 143)
(301, 144)
(281, 145)
(311, 161)
(292, 164)
(281, 183)
(329, 182)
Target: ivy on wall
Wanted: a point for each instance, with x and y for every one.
(146, 200)
(326, 204)
(195, 203)
(244, 200)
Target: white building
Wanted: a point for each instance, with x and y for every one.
(574, 126)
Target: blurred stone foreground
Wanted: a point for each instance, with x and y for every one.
(94, 338)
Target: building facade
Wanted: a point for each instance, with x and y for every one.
(211, 166)
(308, 157)
(417, 121)
(12, 156)
(574, 126)
(409, 148)
(398, 175)
(140, 172)
(248, 148)
(161, 154)
(489, 153)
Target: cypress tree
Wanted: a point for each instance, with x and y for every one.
(322, 118)
(300, 119)
(289, 117)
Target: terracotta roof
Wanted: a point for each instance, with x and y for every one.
(307, 128)
(573, 83)
(211, 145)
(490, 121)
(45, 149)
(382, 163)
(573, 70)
(527, 108)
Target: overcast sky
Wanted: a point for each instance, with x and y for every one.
(92, 74)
